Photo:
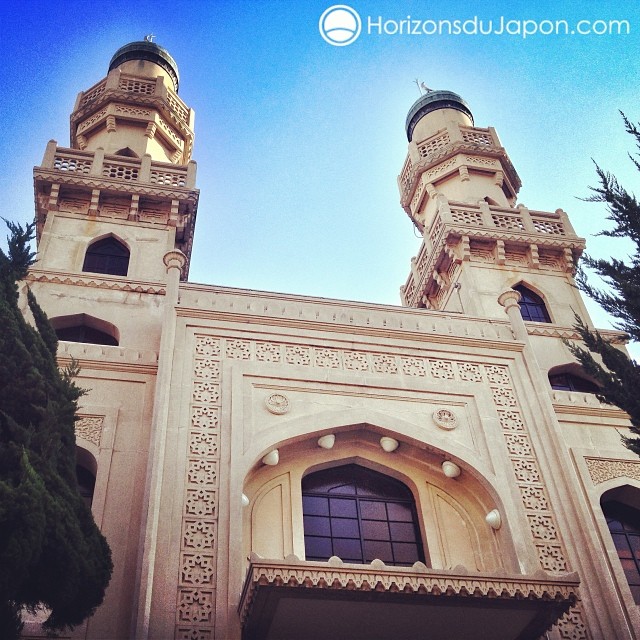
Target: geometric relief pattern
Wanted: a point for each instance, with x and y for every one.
(602, 469)
(542, 525)
(196, 590)
(90, 428)
(197, 575)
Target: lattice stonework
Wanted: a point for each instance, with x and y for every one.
(196, 592)
(89, 428)
(433, 145)
(603, 469)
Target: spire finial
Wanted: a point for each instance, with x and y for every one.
(149, 37)
(422, 87)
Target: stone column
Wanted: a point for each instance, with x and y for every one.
(174, 261)
(509, 299)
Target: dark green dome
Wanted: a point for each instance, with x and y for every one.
(144, 50)
(431, 101)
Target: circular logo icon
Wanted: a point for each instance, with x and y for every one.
(340, 25)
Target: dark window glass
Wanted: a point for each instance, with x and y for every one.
(86, 484)
(532, 306)
(83, 333)
(570, 382)
(107, 256)
(624, 524)
(315, 506)
(374, 517)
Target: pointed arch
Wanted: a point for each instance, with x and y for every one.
(532, 305)
(107, 255)
(571, 377)
(81, 327)
(276, 518)
(127, 152)
(86, 471)
(621, 509)
(359, 515)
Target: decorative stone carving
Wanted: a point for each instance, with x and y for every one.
(441, 369)
(198, 535)
(197, 569)
(378, 577)
(601, 469)
(445, 419)
(413, 367)
(267, 352)
(207, 346)
(200, 502)
(207, 368)
(90, 428)
(277, 403)
(195, 605)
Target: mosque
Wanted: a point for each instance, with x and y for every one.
(269, 466)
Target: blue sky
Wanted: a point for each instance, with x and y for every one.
(299, 143)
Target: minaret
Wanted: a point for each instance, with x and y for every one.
(128, 172)
(459, 188)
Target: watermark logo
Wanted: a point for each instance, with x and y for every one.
(340, 25)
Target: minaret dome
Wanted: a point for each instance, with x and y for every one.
(431, 112)
(144, 58)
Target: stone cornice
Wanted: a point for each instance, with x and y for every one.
(340, 316)
(95, 281)
(107, 358)
(293, 573)
(499, 153)
(440, 338)
(524, 238)
(601, 411)
(567, 333)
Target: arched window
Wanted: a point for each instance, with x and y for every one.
(571, 382)
(86, 468)
(624, 525)
(85, 328)
(359, 515)
(127, 152)
(83, 333)
(86, 484)
(532, 306)
(107, 256)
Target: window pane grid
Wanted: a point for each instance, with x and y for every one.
(363, 524)
(624, 525)
(532, 306)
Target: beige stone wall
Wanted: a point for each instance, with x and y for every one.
(71, 234)
(369, 385)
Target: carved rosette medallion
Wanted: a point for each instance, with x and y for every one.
(445, 419)
(277, 403)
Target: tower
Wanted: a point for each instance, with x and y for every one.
(127, 175)
(459, 188)
(115, 214)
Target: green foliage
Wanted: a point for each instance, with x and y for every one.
(620, 376)
(51, 551)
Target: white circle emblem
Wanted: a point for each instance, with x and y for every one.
(340, 25)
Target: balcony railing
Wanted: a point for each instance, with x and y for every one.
(140, 86)
(465, 219)
(97, 164)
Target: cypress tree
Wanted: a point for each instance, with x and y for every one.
(51, 551)
(619, 378)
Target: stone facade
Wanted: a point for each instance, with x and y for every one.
(215, 404)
